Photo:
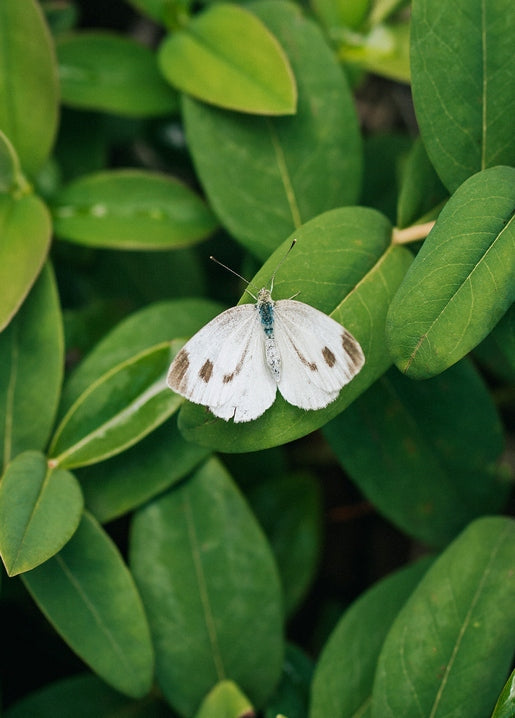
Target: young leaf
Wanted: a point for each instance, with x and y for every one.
(151, 325)
(225, 700)
(266, 176)
(227, 57)
(130, 209)
(461, 281)
(505, 706)
(464, 124)
(112, 73)
(40, 509)
(433, 451)
(120, 484)
(344, 674)
(210, 589)
(31, 71)
(117, 410)
(455, 632)
(88, 595)
(344, 265)
(31, 369)
(26, 232)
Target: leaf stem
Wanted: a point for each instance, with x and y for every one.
(411, 234)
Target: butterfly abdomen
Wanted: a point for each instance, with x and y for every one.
(265, 307)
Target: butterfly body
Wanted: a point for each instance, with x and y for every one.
(235, 364)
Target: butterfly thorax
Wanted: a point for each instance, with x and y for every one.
(265, 307)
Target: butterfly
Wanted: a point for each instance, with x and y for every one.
(236, 363)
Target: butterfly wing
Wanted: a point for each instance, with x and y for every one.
(223, 367)
(318, 355)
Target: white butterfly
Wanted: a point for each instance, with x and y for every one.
(235, 364)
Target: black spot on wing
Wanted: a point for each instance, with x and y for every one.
(329, 357)
(206, 371)
(352, 349)
(178, 369)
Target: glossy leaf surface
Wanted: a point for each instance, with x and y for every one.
(433, 454)
(461, 281)
(88, 595)
(40, 510)
(266, 176)
(210, 589)
(25, 242)
(31, 369)
(131, 209)
(28, 80)
(226, 56)
(462, 607)
(462, 66)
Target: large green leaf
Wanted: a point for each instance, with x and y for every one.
(433, 451)
(117, 410)
(461, 281)
(462, 64)
(343, 265)
(266, 176)
(31, 369)
(451, 646)
(40, 509)
(88, 595)
(130, 209)
(342, 684)
(83, 696)
(28, 82)
(211, 590)
(112, 73)
(227, 57)
(26, 232)
(120, 484)
(151, 325)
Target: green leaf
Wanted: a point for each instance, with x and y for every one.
(451, 645)
(291, 697)
(497, 351)
(31, 370)
(88, 595)
(28, 75)
(11, 178)
(289, 508)
(344, 674)
(211, 590)
(26, 231)
(505, 706)
(384, 156)
(117, 410)
(338, 13)
(464, 124)
(130, 209)
(120, 484)
(227, 57)
(343, 265)
(83, 696)
(111, 73)
(225, 700)
(156, 9)
(40, 510)
(433, 451)
(421, 193)
(461, 281)
(266, 176)
(151, 325)
(60, 16)
(384, 50)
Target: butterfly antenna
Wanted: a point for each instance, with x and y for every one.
(217, 261)
(294, 242)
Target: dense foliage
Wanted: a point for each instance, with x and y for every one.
(353, 561)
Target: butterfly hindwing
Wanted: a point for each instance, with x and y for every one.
(318, 355)
(223, 367)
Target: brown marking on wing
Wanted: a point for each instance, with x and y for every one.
(206, 370)
(179, 368)
(229, 377)
(310, 365)
(352, 348)
(329, 357)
